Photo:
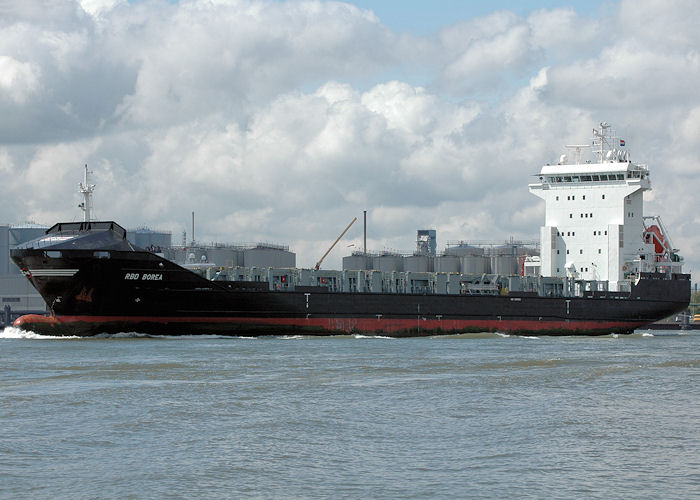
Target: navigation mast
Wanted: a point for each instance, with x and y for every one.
(86, 189)
(603, 139)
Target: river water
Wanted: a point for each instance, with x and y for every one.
(480, 416)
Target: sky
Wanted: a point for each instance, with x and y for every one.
(280, 121)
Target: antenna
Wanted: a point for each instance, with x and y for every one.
(86, 189)
(603, 138)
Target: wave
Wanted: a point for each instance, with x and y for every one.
(527, 363)
(11, 332)
(360, 336)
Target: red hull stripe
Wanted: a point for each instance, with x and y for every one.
(334, 324)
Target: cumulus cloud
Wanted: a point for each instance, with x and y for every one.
(18, 80)
(485, 49)
(200, 58)
(280, 121)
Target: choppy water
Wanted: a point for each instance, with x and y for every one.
(483, 416)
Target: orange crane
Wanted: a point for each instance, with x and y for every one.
(318, 264)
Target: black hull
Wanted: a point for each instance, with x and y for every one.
(91, 292)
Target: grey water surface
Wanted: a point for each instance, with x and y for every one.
(473, 416)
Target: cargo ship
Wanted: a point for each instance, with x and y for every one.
(603, 268)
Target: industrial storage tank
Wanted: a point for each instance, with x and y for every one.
(475, 264)
(357, 262)
(218, 256)
(504, 260)
(417, 263)
(151, 239)
(447, 264)
(506, 265)
(389, 262)
(224, 256)
(463, 249)
(265, 255)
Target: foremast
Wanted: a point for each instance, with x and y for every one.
(86, 189)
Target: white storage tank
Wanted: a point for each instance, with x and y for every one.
(268, 256)
(388, 263)
(356, 262)
(416, 264)
(447, 264)
(224, 256)
(463, 249)
(474, 264)
(505, 265)
(149, 238)
(504, 260)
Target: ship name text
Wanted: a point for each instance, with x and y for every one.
(144, 276)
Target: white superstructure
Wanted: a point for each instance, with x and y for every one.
(594, 227)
